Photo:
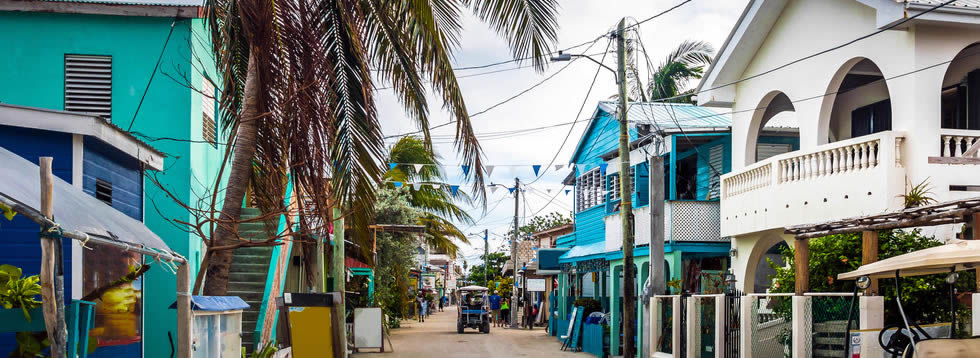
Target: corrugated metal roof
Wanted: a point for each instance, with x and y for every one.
(138, 2)
(672, 115)
(967, 4)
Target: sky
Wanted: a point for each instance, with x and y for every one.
(556, 101)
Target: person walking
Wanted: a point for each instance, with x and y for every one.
(442, 302)
(420, 303)
(505, 311)
(495, 308)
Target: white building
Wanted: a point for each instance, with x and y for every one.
(875, 116)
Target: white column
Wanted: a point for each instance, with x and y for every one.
(746, 324)
(656, 310)
(693, 328)
(802, 326)
(976, 313)
(871, 314)
(720, 320)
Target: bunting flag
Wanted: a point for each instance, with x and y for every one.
(511, 190)
(416, 186)
(536, 169)
(567, 191)
(581, 168)
(602, 167)
(489, 169)
(455, 189)
(559, 166)
(398, 184)
(466, 169)
(391, 166)
(418, 168)
(548, 190)
(493, 189)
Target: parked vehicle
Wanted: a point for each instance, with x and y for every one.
(473, 309)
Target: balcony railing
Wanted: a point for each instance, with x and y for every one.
(954, 142)
(847, 178)
(683, 221)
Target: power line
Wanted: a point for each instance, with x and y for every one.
(804, 58)
(152, 74)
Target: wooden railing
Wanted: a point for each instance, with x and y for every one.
(838, 158)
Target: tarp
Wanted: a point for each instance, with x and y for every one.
(474, 288)
(74, 210)
(215, 303)
(958, 254)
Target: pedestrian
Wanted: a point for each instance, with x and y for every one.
(531, 312)
(442, 302)
(505, 311)
(420, 303)
(495, 308)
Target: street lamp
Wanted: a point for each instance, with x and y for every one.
(564, 57)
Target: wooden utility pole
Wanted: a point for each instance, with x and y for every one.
(339, 272)
(486, 254)
(658, 281)
(513, 255)
(626, 205)
(52, 270)
(184, 319)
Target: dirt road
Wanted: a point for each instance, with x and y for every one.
(437, 338)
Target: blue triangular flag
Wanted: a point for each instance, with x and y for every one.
(466, 170)
(391, 166)
(398, 184)
(536, 169)
(567, 191)
(455, 189)
(511, 190)
(602, 167)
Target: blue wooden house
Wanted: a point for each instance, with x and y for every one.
(695, 143)
(108, 163)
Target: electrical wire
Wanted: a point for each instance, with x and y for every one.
(152, 74)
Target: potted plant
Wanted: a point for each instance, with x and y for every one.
(20, 312)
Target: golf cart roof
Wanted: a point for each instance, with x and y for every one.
(958, 254)
(474, 288)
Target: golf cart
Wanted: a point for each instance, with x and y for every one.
(473, 309)
(909, 339)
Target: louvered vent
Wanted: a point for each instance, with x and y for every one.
(88, 84)
(207, 106)
(103, 191)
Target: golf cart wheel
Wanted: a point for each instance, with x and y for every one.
(485, 328)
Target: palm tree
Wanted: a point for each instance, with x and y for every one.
(437, 204)
(684, 63)
(298, 95)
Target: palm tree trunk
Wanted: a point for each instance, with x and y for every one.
(219, 263)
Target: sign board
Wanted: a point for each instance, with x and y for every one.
(429, 282)
(368, 328)
(536, 284)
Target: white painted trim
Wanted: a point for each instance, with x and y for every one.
(67, 122)
(77, 178)
(802, 325)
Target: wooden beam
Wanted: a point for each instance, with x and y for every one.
(869, 254)
(972, 150)
(184, 319)
(954, 160)
(802, 251)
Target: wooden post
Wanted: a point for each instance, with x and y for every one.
(869, 254)
(184, 319)
(340, 274)
(802, 250)
(658, 280)
(52, 294)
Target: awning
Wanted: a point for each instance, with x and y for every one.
(215, 303)
(958, 254)
(584, 252)
(74, 210)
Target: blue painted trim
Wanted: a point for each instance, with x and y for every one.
(673, 168)
(271, 275)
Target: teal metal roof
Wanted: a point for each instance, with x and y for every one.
(687, 116)
(584, 252)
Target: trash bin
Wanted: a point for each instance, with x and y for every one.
(217, 326)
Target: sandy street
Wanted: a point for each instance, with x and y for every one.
(437, 338)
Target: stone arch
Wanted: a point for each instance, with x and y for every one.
(772, 104)
(759, 247)
(857, 84)
(960, 96)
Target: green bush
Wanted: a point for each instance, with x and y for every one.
(590, 305)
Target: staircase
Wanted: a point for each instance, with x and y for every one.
(249, 270)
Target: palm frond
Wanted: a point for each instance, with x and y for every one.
(530, 26)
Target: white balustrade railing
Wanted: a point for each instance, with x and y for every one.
(955, 142)
(838, 158)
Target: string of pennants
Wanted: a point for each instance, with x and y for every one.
(454, 188)
(536, 168)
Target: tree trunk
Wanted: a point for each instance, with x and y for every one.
(219, 263)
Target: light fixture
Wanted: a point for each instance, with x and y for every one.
(561, 57)
(951, 278)
(733, 252)
(863, 282)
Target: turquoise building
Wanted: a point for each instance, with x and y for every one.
(99, 58)
(695, 143)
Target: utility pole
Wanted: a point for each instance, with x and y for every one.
(626, 206)
(486, 255)
(513, 256)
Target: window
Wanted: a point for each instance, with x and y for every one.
(960, 104)
(715, 166)
(873, 118)
(103, 191)
(88, 84)
(207, 106)
(589, 190)
(614, 186)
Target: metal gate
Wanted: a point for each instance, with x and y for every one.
(733, 299)
(682, 349)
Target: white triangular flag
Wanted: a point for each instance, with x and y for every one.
(416, 186)
(489, 169)
(493, 189)
(559, 166)
(549, 192)
(418, 168)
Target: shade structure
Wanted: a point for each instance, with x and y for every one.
(74, 210)
(955, 255)
(474, 288)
